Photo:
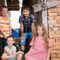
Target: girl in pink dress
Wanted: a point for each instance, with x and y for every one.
(39, 45)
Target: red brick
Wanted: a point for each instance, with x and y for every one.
(50, 10)
(55, 43)
(55, 58)
(50, 29)
(50, 25)
(51, 17)
(53, 14)
(57, 17)
(56, 9)
(56, 47)
(53, 55)
(55, 28)
(52, 32)
(58, 55)
(55, 51)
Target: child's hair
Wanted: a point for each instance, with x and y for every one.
(43, 27)
(9, 37)
(4, 7)
(44, 32)
(45, 35)
(26, 8)
(12, 38)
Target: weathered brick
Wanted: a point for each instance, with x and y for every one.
(55, 58)
(53, 55)
(55, 51)
(55, 43)
(57, 17)
(57, 25)
(51, 17)
(53, 14)
(50, 10)
(50, 29)
(52, 22)
(56, 9)
(59, 13)
(52, 40)
(51, 32)
(58, 55)
(56, 47)
(50, 25)
(54, 31)
(55, 28)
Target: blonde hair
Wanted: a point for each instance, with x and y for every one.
(45, 35)
(43, 27)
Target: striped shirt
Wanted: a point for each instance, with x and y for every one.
(5, 26)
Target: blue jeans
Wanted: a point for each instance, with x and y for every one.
(26, 36)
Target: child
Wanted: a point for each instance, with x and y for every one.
(5, 24)
(39, 46)
(10, 50)
(26, 21)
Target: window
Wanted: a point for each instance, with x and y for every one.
(13, 4)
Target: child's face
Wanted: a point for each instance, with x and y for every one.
(40, 31)
(4, 12)
(10, 41)
(26, 12)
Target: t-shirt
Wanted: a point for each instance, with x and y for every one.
(5, 26)
(27, 23)
(10, 50)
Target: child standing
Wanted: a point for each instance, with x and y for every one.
(39, 46)
(5, 23)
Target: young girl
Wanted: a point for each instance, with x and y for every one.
(39, 46)
(10, 50)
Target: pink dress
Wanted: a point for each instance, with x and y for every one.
(38, 50)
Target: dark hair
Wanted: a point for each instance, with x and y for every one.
(4, 7)
(26, 8)
(9, 36)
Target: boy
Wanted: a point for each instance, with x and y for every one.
(5, 26)
(26, 21)
(10, 51)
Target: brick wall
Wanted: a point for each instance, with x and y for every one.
(54, 31)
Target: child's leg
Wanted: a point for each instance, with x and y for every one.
(19, 57)
(22, 47)
(23, 42)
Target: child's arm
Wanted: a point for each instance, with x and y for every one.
(22, 31)
(7, 51)
(19, 52)
(5, 56)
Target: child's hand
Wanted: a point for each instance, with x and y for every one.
(3, 56)
(22, 37)
(20, 52)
